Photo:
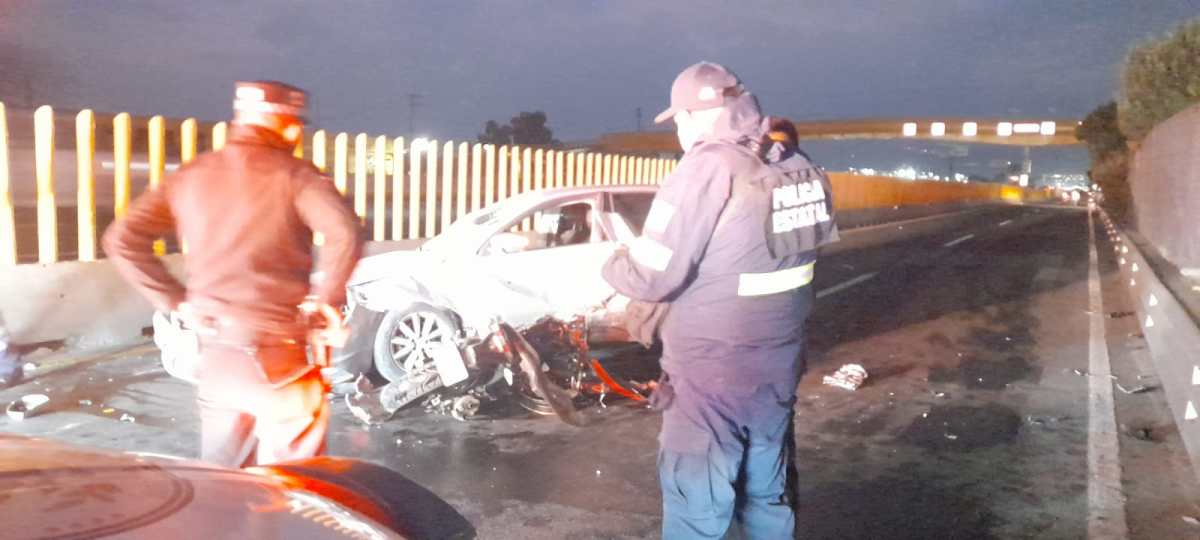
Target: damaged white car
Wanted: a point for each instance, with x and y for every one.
(535, 255)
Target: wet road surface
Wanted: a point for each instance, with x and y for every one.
(973, 423)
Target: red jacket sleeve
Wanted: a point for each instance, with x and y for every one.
(129, 244)
(324, 210)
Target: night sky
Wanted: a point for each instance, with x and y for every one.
(589, 65)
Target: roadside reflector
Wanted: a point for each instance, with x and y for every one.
(1190, 414)
(1134, 267)
(1149, 322)
(1153, 300)
(1195, 375)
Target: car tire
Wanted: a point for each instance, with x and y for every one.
(411, 331)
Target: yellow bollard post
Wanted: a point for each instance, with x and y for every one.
(380, 218)
(414, 191)
(527, 170)
(570, 181)
(360, 177)
(8, 221)
(431, 189)
(122, 154)
(298, 151)
(539, 168)
(589, 171)
(341, 150)
(502, 177)
(460, 206)
(560, 168)
(549, 165)
(85, 157)
(398, 174)
(489, 178)
(527, 165)
(43, 149)
(187, 141)
(610, 170)
(219, 132)
(447, 182)
(476, 176)
(320, 150)
(157, 147)
(514, 171)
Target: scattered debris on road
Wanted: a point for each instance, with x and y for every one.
(1136, 389)
(849, 377)
(1083, 373)
(85, 403)
(26, 405)
(365, 402)
(1191, 521)
(1045, 421)
(128, 418)
(1120, 314)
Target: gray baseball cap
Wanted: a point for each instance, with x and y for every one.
(703, 85)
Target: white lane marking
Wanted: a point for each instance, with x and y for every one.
(902, 223)
(953, 243)
(1106, 503)
(1005, 222)
(846, 285)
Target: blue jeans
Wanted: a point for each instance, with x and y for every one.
(10, 366)
(725, 461)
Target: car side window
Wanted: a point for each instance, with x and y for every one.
(633, 208)
(557, 226)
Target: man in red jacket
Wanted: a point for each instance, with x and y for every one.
(247, 214)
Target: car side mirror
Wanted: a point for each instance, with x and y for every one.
(506, 242)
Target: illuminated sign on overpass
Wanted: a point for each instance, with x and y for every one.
(1016, 132)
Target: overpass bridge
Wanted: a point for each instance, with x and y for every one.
(1026, 132)
(1029, 368)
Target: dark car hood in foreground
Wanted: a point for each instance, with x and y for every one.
(53, 490)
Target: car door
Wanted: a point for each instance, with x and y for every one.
(556, 271)
(624, 214)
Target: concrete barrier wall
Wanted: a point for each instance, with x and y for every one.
(1165, 180)
(856, 192)
(84, 304)
(1172, 334)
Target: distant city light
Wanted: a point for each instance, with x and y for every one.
(937, 129)
(970, 129)
(1004, 129)
(906, 172)
(910, 129)
(960, 177)
(419, 144)
(1049, 128)
(1024, 180)
(1027, 128)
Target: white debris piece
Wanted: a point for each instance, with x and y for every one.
(849, 376)
(23, 407)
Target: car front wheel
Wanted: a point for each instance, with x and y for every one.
(408, 338)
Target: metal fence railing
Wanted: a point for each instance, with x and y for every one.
(401, 189)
